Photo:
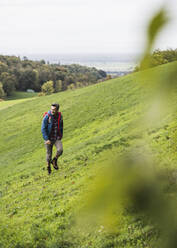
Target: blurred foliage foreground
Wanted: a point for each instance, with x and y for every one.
(134, 183)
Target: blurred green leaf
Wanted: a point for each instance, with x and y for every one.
(155, 26)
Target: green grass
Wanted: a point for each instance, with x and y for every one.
(15, 98)
(36, 210)
(21, 94)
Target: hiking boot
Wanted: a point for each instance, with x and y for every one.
(49, 168)
(54, 162)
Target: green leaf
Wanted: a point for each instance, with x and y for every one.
(154, 28)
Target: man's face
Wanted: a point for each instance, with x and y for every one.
(53, 110)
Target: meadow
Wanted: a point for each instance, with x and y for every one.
(100, 121)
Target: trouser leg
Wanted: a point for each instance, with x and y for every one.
(49, 152)
(59, 148)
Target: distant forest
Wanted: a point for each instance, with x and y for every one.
(18, 74)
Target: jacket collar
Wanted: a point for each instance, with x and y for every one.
(49, 112)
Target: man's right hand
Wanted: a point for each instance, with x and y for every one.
(48, 142)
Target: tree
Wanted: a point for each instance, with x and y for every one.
(71, 87)
(47, 88)
(28, 79)
(78, 84)
(58, 86)
(42, 61)
(2, 93)
(9, 82)
(3, 67)
(69, 80)
(43, 74)
(102, 73)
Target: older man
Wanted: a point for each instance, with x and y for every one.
(52, 131)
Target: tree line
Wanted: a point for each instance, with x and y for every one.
(159, 57)
(18, 74)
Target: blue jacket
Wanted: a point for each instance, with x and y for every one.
(47, 123)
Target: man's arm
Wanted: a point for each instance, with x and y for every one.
(44, 128)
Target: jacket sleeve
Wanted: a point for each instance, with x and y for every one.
(61, 126)
(44, 128)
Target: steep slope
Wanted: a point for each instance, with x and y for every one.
(36, 209)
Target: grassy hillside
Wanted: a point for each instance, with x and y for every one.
(36, 210)
(15, 98)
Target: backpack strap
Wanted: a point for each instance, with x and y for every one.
(46, 113)
(59, 117)
(49, 116)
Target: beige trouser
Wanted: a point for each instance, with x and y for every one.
(49, 148)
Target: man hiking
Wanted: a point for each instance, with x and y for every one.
(52, 132)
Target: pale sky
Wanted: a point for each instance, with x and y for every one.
(81, 26)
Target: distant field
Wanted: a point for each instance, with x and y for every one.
(17, 97)
(21, 95)
(36, 210)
